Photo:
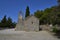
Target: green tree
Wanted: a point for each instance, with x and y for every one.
(4, 22)
(45, 18)
(27, 12)
(13, 24)
(38, 13)
(58, 13)
(55, 15)
(9, 22)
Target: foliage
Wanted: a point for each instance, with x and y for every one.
(4, 22)
(55, 29)
(7, 23)
(27, 12)
(58, 33)
(13, 24)
(38, 13)
(49, 15)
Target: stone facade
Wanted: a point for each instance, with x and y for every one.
(31, 23)
(19, 25)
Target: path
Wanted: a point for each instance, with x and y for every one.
(10, 34)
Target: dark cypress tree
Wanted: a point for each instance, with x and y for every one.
(27, 12)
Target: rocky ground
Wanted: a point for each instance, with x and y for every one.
(11, 34)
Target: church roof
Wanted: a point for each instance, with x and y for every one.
(30, 17)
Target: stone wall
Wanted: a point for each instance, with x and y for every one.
(31, 24)
(20, 24)
(46, 27)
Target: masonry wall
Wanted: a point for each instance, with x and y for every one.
(20, 25)
(31, 24)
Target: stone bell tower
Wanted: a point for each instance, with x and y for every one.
(19, 26)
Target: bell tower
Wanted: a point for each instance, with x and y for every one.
(19, 26)
(20, 18)
(20, 15)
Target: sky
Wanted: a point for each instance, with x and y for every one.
(10, 8)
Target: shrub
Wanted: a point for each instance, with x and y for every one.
(55, 29)
(58, 34)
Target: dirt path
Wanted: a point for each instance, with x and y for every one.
(10, 34)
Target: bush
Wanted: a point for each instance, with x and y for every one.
(55, 29)
(58, 34)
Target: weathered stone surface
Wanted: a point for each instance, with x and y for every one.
(31, 23)
(19, 26)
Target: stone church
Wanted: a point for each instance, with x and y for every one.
(30, 23)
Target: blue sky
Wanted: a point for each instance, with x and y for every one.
(12, 7)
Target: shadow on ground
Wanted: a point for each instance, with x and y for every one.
(57, 34)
